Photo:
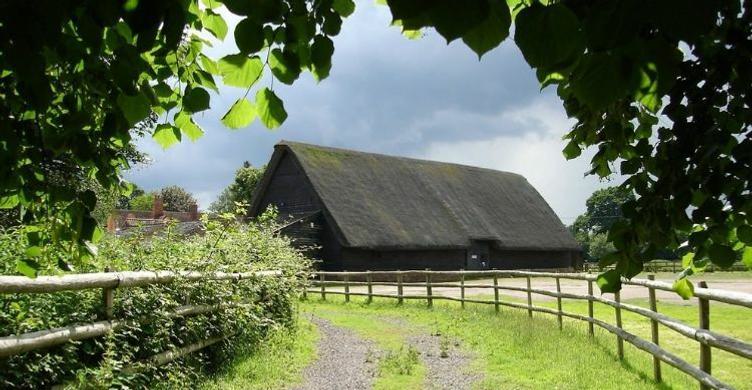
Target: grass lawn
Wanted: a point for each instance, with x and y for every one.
(512, 351)
(726, 319)
(275, 364)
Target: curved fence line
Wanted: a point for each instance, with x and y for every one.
(702, 334)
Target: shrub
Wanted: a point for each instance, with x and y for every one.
(226, 245)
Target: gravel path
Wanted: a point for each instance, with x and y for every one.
(345, 361)
(451, 371)
(448, 372)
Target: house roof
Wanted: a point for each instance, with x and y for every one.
(386, 202)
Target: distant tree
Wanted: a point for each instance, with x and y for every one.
(124, 202)
(599, 246)
(603, 210)
(176, 198)
(241, 190)
(142, 202)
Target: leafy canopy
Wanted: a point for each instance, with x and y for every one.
(77, 77)
(660, 88)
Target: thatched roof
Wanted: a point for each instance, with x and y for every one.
(385, 202)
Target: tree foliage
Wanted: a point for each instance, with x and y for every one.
(660, 88)
(76, 78)
(240, 191)
(176, 198)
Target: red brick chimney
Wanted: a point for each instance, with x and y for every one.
(193, 212)
(157, 207)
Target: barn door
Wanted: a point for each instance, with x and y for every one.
(478, 256)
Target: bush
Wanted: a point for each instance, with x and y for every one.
(226, 245)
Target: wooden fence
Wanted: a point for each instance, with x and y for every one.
(706, 338)
(108, 282)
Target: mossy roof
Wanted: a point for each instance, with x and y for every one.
(379, 201)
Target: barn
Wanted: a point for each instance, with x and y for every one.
(364, 211)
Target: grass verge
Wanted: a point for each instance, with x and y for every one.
(275, 364)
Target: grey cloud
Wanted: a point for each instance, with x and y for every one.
(385, 94)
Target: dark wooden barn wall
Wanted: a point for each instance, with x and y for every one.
(360, 259)
(514, 259)
(454, 259)
(291, 192)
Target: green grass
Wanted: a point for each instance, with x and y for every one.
(275, 364)
(399, 368)
(513, 351)
(726, 319)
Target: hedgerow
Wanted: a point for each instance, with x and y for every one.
(117, 361)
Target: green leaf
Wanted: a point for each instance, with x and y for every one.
(492, 31)
(238, 70)
(241, 114)
(684, 288)
(166, 135)
(196, 100)
(270, 108)
(284, 66)
(215, 24)
(344, 7)
(27, 267)
(572, 150)
(609, 281)
(601, 79)
(249, 36)
(722, 255)
(33, 251)
(744, 233)
(687, 260)
(209, 65)
(134, 107)
(747, 257)
(184, 121)
(8, 202)
(548, 36)
(321, 57)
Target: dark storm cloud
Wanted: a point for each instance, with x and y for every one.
(385, 94)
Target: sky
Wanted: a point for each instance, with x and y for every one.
(388, 94)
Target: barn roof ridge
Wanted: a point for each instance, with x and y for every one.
(404, 158)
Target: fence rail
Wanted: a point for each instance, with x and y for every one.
(108, 281)
(706, 338)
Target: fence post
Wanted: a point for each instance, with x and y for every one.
(369, 279)
(400, 291)
(529, 299)
(496, 291)
(462, 288)
(558, 303)
(323, 286)
(619, 341)
(654, 330)
(705, 352)
(591, 332)
(347, 286)
(428, 287)
(108, 298)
